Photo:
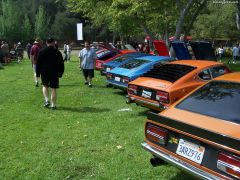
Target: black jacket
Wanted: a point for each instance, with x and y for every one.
(50, 63)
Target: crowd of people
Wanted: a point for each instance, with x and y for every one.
(233, 52)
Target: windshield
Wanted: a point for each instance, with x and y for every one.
(217, 99)
(134, 63)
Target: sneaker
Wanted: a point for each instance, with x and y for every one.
(86, 83)
(90, 85)
(46, 104)
(36, 84)
(53, 108)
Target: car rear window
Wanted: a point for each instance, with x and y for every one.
(121, 59)
(105, 55)
(217, 99)
(134, 63)
(169, 72)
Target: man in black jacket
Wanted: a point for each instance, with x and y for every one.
(50, 66)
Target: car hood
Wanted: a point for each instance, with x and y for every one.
(203, 50)
(161, 48)
(181, 50)
(152, 83)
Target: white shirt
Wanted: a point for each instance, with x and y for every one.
(88, 58)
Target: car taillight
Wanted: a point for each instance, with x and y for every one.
(125, 80)
(109, 76)
(162, 96)
(132, 89)
(229, 164)
(156, 134)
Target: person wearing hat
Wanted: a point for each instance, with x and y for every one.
(34, 55)
(50, 66)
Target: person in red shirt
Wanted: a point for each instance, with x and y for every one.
(34, 55)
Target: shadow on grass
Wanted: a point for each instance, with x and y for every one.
(76, 171)
(143, 113)
(70, 85)
(121, 92)
(84, 109)
(183, 176)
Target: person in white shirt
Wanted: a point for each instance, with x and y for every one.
(220, 53)
(69, 49)
(87, 62)
(235, 53)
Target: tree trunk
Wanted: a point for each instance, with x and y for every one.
(183, 13)
(238, 16)
(194, 17)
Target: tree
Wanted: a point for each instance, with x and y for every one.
(27, 33)
(10, 21)
(64, 27)
(190, 9)
(216, 24)
(41, 24)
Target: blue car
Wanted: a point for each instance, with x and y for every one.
(129, 71)
(181, 50)
(120, 60)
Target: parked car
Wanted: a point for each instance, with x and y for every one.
(129, 71)
(163, 85)
(203, 50)
(180, 50)
(201, 132)
(119, 60)
(106, 54)
(160, 49)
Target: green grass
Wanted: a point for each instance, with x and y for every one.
(80, 140)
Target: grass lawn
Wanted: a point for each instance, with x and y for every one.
(87, 137)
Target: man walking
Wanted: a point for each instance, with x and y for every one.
(50, 66)
(235, 53)
(34, 55)
(87, 62)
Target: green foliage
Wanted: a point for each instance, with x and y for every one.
(27, 33)
(41, 23)
(63, 27)
(9, 21)
(216, 24)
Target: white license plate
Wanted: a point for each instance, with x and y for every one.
(146, 94)
(117, 79)
(108, 69)
(190, 151)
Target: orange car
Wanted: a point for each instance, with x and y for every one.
(165, 84)
(201, 132)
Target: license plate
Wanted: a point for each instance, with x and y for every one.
(190, 151)
(117, 79)
(108, 69)
(146, 94)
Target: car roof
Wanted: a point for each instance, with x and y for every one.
(233, 77)
(153, 58)
(196, 63)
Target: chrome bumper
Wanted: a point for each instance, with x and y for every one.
(122, 86)
(179, 163)
(158, 105)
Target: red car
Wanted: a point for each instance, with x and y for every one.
(106, 55)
